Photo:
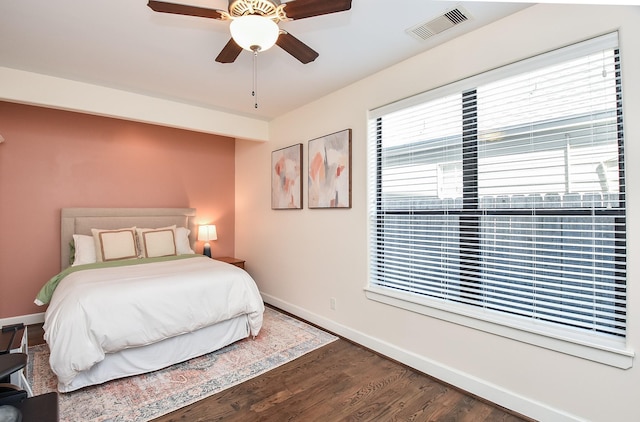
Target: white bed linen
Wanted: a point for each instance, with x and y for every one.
(101, 311)
(153, 357)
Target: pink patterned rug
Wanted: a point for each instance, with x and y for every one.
(145, 397)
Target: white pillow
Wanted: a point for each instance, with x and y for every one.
(183, 246)
(85, 250)
(111, 245)
(157, 242)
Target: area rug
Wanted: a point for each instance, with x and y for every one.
(148, 396)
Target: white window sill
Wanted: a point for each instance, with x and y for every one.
(608, 351)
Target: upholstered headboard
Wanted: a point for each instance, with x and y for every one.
(82, 220)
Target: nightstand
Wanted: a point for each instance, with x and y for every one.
(230, 260)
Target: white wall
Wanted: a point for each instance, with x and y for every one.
(49, 91)
(302, 258)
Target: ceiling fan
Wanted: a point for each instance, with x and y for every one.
(254, 23)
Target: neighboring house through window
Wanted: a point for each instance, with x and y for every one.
(499, 201)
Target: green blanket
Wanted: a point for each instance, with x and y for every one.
(46, 292)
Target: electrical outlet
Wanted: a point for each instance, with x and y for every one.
(332, 303)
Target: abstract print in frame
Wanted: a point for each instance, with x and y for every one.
(286, 175)
(330, 171)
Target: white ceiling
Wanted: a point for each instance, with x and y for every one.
(123, 44)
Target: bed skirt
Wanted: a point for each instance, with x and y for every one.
(159, 355)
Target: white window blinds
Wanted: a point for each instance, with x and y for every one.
(506, 192)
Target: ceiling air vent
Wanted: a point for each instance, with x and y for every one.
(435, 26)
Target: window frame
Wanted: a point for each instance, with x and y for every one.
(610, 351)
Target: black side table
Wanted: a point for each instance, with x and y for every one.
(10, 363)
(42, 408)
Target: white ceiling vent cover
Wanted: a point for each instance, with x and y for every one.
(435, 26)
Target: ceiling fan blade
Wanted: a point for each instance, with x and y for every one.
(183, 9)
(300, 9)
(229, 53)
(296, 48)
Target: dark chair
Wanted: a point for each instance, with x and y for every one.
(10, 363)
(42, 408)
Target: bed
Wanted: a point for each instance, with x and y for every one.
(114, 315)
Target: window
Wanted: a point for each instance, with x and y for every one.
(502, 197)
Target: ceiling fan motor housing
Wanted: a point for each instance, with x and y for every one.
(251, 7)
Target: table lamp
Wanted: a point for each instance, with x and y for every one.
(207, 232)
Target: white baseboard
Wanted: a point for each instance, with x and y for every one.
(25, 319)
(466, 382)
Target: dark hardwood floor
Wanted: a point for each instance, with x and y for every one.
(338, 382)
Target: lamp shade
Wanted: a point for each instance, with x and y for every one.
(207, 232)
(254, 32)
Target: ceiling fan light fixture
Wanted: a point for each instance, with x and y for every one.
(254, 32)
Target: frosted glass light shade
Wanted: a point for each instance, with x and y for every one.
(254, 32)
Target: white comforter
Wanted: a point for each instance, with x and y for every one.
(106, 310)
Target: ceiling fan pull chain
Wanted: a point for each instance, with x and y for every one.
(254, 93)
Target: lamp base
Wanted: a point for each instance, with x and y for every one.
(207, 250)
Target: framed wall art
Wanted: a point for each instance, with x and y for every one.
(286, 178)
(330, 171)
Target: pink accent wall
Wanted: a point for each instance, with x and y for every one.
(53, 159)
